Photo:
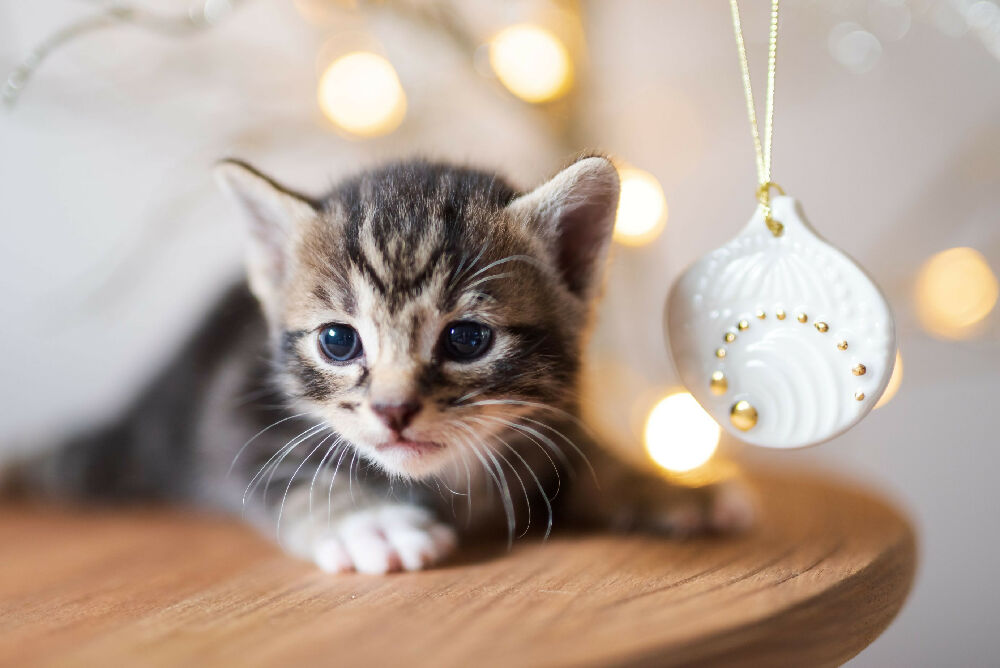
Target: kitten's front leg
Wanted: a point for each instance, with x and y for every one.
(627, 498)
(362, 530)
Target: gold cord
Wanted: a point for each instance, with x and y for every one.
(762, 149)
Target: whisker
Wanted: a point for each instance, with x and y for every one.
(548, 441)
(558, 451)
(469, 395)
(538, 483)
(288, 487)
(459, 274)
(499, 479)
(288, 447)
(535, 404)
(327, 456)
(329, 491)
(524, 489)
(468, 478)
(558, 411)
(512, 258)
(277, 465)
(486, 279)
(254, 437)
(350, 476)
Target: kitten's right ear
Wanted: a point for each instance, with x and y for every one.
(273, 214)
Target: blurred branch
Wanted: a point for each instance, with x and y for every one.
(202, 15)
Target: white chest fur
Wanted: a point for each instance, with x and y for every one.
(785, 340)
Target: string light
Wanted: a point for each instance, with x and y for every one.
(531, 62)
(680, 436)
(360, 93)
(894, 381)
(642, 208)
(955, 290)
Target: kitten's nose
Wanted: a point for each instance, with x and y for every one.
(397, 416)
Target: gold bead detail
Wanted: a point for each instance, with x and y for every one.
(842, 345)
(822, 326)
(779, 314)
(720, 352)
(760, 315)
(860, 396)
(743, 324)
(860, 370)
(729, 337)
(718, 384)
(803, 317)
(743, 415)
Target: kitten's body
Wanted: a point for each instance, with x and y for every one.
(375, 461)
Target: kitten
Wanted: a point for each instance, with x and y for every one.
(400, 368)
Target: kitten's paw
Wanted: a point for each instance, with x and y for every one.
(733, 508)
(728, 507)
(384, 539)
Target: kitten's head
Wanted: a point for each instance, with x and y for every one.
(423, 309)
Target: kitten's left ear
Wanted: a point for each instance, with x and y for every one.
(273, 214)
(575, 213)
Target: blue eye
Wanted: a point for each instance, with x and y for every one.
(339, 342)
(466, 340)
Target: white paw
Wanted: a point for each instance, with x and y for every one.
(383, 539)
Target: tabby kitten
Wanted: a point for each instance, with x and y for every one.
(400, 368)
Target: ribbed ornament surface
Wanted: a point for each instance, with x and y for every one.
(799, 300)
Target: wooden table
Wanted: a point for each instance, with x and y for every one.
(820, 578)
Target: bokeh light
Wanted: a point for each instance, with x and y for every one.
(955, 290)
(642, 208)
(360, 93)
(894, 380)
(680, 435)
(854, 47)
(531, 62)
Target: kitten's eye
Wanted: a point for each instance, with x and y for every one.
(339, 342)
(466, 340)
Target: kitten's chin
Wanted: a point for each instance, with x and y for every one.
(412, 459)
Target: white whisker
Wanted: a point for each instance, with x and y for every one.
(498, 478)
(287, 447)
(512, 258)
(558, 451)
(288, 487)
(329, 491)
(350, 476)
(323, 463)
(255, 436)
(538, 483)
(486, 279)
(277, 465)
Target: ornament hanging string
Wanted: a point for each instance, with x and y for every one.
(761, 148)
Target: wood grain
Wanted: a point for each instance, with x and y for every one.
(821, 577)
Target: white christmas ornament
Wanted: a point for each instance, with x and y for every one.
(783, 339)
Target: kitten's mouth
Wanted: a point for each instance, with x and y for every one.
(406, 446)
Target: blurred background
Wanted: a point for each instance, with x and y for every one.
(887, 129)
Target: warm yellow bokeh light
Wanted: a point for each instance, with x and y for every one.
(642, 208)
(361, 93)
(680, 435)
(531, 62)
(955, 290)
(894, 380)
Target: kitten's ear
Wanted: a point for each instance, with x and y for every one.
(575, 213)
(273, 214)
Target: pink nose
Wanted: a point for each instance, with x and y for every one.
(397, 416)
